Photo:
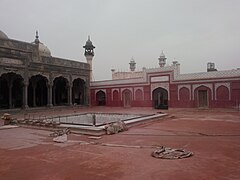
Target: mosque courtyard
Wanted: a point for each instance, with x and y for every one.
(212, 135)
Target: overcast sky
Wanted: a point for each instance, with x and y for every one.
(192, 32)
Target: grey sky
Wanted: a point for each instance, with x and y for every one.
(192, 31)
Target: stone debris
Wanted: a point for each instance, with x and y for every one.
(8, 127)
(40, 121)
(60, 132)
(115, 127)
(170, 153)
(60, 136)
(6, 116)
(60, 139)
(7, 119)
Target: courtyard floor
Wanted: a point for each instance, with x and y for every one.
(212, 135)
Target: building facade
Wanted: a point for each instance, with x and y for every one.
(31, 77)
(165, 87)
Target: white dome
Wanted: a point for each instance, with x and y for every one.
(3, 35)
(43, 50)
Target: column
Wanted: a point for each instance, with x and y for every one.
(50, 89)
(25, 95)
(86, 95)
(54, 95)
(70, 94)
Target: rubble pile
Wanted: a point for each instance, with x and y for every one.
(60, 136)
(60, 132)
(40, 122)
(115, 127)
(170, 153)
(7, 119)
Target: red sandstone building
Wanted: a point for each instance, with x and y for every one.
(166, 87)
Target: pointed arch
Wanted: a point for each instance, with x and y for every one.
(79, 91)
(127, 98)
(60, 91)
(202, 96)
(184, 94)
(37, 91)
(222, 93)
(101, 98)
(139, 95)
(11, 90)
(115, 95)
(160, 98)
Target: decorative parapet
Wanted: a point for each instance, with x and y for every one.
(160, 69)
(18, 45)
(116, 82)
(64, 62)
(127, 75)
(208, 75)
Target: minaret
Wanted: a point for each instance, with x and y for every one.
(89, 53)
(132, 65)
(162, 60)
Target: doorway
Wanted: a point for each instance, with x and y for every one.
(160, 98)
(101, 98)
(127, 98)
(202, 99)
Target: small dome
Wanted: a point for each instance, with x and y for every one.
(43, 50)
(3, 35)
(89, 44)
(132, 61)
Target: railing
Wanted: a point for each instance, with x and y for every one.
(87, 119)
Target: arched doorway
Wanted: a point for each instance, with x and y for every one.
(60, 91)
(37, 91)
(202, 95)
(11, 90)
(127, 98)
(101, 98)
(78, 92)
(160, 98)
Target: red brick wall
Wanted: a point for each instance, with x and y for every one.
(182, 100)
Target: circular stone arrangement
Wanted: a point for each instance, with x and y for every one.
(169, 153)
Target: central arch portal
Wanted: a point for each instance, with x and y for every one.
(160, 98)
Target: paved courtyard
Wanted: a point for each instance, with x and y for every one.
(212, 135)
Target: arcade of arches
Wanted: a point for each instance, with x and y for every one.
(38, 91)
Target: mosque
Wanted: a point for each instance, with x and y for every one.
(31, 77)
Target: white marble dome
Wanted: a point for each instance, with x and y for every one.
(3, 35)
(43, 50)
